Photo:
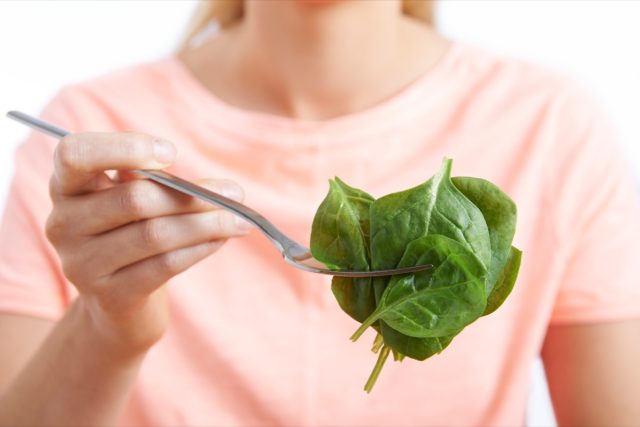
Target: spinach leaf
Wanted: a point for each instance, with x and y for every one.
(499, 213)
(340, 230)
(415, 348)
(355, 296)
(505, 281)
(463, 226)
(435, 207)
(437, 302)
(340, 238)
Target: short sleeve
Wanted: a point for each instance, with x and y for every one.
(597, 209)
(31, 279)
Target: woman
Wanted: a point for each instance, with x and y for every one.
(148, 308)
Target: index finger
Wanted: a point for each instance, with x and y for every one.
(80, 157)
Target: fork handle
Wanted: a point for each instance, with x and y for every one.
(280, 240)
(243, 211)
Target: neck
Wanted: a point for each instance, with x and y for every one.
(324, 58)
(315, 55)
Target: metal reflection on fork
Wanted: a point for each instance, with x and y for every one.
(294, 253)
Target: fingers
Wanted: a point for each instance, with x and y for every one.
(134, 282)
(121, 238)
(81, 157)
(124, 176)
(137, 241)
(136, 200)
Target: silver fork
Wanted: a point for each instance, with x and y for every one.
(294, 253)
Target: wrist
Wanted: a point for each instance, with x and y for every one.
(115, 335)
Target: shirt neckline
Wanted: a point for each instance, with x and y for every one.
(270, 128)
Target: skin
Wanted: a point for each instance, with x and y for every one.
(80, 370)
(290, 58)
(593, 373)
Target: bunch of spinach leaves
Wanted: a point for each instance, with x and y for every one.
(462, 226)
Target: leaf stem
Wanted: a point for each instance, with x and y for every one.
(367, 322)
(382, 357)
(378, 342)
(397, 356)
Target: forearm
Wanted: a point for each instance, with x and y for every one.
(77, 377)
(593, 373)
(119, 242)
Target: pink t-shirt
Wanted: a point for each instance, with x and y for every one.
(254, 341)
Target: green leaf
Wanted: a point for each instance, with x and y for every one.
(437, 302)
(340, 239)
(463, 226)
(354, 295)
(435, 207)
(340, 229)
(499, 213)
(415, 348)
(505, 282)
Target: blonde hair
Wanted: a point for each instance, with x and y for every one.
(226, 12)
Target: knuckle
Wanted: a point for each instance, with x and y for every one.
(71, 270)
(55, 227)
(221, 221)
(169, 264)
(152, 233)
(134, 198)
(227, 224)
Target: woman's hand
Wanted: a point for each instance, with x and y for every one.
(120, 241)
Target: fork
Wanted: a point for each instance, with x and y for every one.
(293, 252)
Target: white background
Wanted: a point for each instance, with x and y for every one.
(45, 44)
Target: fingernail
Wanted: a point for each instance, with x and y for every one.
(164, 151)
(242, 225)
